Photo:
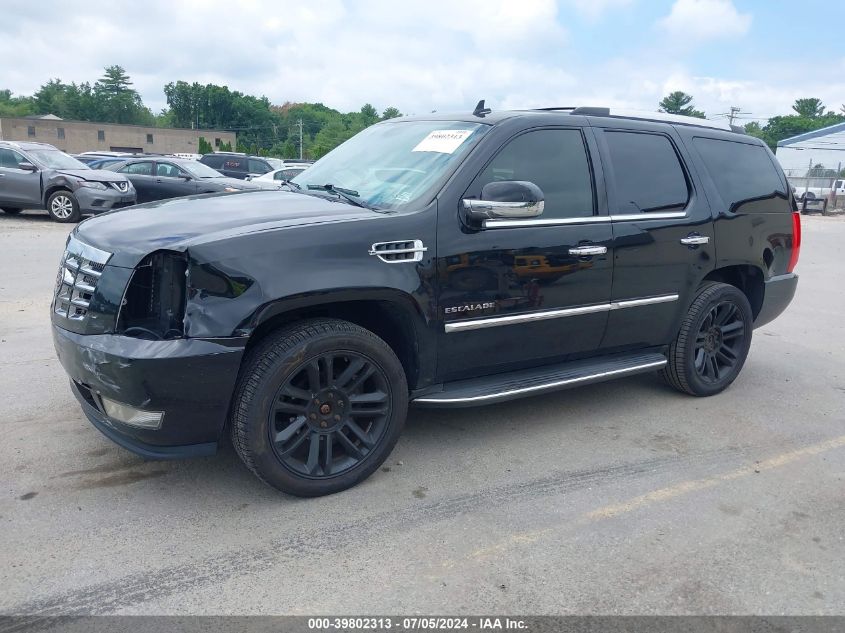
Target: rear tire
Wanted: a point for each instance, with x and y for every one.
(713, 342)
(11, 211)
(319, 406)
(63, 206)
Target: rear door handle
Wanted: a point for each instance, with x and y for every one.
(585, 251)
(694, 239)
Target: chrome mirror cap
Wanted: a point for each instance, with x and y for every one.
(505, 200)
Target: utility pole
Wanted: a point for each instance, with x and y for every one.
(300, 139)
(734, 111)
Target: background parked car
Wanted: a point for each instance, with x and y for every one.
(40, 176)
(278, 176)
(237, 165)
(161, 177)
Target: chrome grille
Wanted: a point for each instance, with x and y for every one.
(81, 268)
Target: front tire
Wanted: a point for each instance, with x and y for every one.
(319, 406)
(63, 206)
(713, 342)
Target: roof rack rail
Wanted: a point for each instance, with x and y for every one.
(648, 116)
(592, 111)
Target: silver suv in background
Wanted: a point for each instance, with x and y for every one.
(40, 176)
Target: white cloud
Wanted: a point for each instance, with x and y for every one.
(439, 55)
(702, 20)
(594, 9)
(416, 56)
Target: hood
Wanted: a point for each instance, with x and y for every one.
(99, 175)
(179, 223)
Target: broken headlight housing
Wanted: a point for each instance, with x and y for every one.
(153, 306)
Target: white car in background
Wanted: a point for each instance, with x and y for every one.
(278, 176)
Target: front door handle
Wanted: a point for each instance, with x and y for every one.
(586, 251)
(694, 239)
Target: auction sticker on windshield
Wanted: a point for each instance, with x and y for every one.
(442, 141)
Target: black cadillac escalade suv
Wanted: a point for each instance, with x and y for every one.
(434, 260)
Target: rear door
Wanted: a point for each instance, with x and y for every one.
(662, 232)
(19, 188)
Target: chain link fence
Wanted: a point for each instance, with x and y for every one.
(818, 187)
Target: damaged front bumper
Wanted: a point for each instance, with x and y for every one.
(190, 381)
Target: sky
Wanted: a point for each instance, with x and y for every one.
(443, 55)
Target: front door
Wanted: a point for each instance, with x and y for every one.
(172, 182)
(662, 234)
(19, 188)
(141, 175)
(526, 292)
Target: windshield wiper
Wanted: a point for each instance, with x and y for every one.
(290, 183)
(349, 195)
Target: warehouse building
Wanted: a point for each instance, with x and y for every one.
(820, 152)
(75, 137)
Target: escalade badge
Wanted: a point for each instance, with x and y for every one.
(469, 307)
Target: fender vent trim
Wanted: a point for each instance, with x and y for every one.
(398, 252)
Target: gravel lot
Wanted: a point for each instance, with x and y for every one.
(622, 498)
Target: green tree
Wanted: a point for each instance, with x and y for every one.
(117, 101)
(15, 106)
(390, 113)
(204, 147)
(810, 108)
(679, 102)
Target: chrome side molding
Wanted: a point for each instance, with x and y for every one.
(626, 217)
(514, 319)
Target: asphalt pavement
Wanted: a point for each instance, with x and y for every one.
(619, 498)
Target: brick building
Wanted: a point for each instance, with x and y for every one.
(81, 136)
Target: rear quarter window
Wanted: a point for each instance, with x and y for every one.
(744, 174)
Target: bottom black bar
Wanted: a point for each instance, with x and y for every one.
(403, 624)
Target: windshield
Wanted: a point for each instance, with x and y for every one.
(55, 159)
(394, 164)
(200, 170)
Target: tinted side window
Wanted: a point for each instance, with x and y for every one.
(212, 161)
(168, 170)
(10, 158)
(647, 171)
(554, 160)
(142, 169)
(258, 166)
(740, 171)
(234, 164)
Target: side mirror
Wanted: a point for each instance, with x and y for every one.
(27, 166)
(505, 200)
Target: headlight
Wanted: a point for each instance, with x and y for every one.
(92, 184)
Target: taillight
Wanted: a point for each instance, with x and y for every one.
(796, 241)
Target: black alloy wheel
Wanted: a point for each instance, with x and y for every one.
(318, 407)
(713, 341)
(719, 342)
(329, 414)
